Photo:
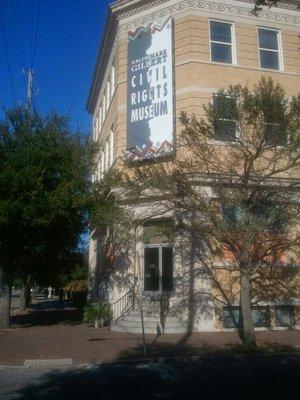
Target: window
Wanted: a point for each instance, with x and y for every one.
(222, 46)
(231, 317)
(111, 148)
(229, 215)
(260, 317)
(225, 127)
(270, 48)
(284, 316)
(275, 135)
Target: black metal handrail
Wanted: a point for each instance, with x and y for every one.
(123, 305)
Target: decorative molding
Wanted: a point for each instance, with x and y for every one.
(207, 6)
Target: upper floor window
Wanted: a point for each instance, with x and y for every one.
(222, 42)
(270, 53)
(225, 127)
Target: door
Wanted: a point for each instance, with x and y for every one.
(158, 268)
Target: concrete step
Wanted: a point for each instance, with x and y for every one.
(131, 322)
(151, 320)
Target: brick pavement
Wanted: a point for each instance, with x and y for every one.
(53, 331)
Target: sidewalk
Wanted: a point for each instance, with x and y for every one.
(50, 330)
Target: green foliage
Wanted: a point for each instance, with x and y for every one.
(44, 184)
(260, 3)
(108, 213)
(96, 311)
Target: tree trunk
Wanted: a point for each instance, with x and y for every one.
(25, 296)
(5, 299)
(248, 335)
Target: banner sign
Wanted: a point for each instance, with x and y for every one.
(150, 91)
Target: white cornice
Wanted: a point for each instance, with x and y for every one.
(236, 8)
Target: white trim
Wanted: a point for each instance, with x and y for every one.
(279, 51)
(232, 44)
(237, 131)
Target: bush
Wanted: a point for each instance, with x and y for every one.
(98, 313)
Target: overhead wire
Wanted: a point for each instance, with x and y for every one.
(34, 43)
(8, 60)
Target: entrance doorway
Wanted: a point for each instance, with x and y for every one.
(158, 268)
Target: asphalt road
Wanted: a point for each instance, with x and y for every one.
(226, 377)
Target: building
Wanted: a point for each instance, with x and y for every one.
(188, 49)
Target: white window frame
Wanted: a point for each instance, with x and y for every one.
(237, 131)
(279, 51)
(233, 42)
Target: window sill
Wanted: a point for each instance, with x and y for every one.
(271, 69)
(224, 143)
(223, 63)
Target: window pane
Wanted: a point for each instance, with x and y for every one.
(167, 269)
(260, 317)
(275, 135)
(284, 316)
(225, 131)
(268, 39)
(224, 107)
(231, 317)
(220, 31)
(229, 214)
(151, 282)
(221, 53)
(269, 59)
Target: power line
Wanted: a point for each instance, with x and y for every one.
(8, 61)
(36, 34)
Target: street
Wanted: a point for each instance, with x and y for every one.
(257, 376)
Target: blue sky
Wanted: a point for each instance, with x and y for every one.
(66, 48)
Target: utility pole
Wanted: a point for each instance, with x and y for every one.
(29, 90)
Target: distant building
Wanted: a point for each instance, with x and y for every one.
(156, 58)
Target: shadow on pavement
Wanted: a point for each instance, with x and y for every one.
(48, 312)
(157, 349)
(228, 377)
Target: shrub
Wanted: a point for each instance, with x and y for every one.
(98, 313)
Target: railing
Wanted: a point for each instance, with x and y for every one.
(124, 304)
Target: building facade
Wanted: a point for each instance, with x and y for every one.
(157, 58)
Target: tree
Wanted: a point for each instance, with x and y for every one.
(44, 182)
(111, 227)
(232, 192)
(260, 3)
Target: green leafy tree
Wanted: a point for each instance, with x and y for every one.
(44, 184)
